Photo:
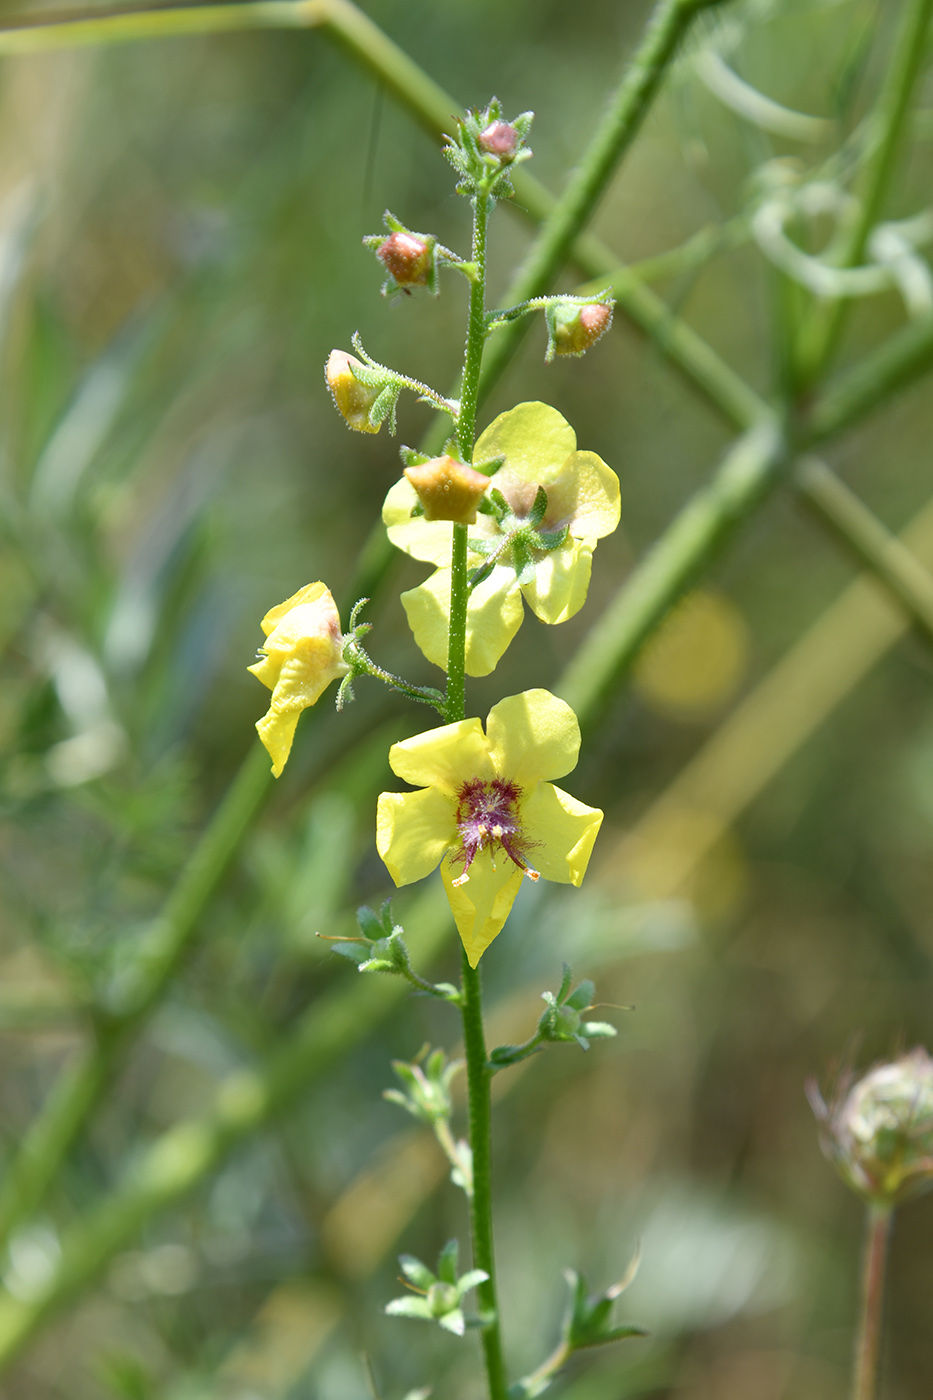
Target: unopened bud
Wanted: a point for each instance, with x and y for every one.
(573, 329)
(353, 399)
(406, 258)
(447, 489)
(879, 1130)
(499, 139)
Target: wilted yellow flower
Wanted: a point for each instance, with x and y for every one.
(352, 399)
(485, 811)
(447, 489)
(539, 448)
(302, 654)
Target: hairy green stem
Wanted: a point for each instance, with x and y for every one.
(821, 332)
(471, 994)
(868, 1337)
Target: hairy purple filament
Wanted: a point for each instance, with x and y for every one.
(488, 819)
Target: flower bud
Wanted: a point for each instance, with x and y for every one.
(572, 328)
(879, 1130)
(447, 489)
(406, 258)
(353, 399)
(499, 139)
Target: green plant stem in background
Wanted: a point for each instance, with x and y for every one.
(821, 332)
(73, 1099)
(868, 1337)
(625, 112)
(691, 541)
(187, 1153)
(654, 586)
(875, 547)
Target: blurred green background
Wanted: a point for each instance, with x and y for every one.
(180, 247)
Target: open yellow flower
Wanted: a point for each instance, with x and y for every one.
(485, 811)
(540, 450)
(302, 654)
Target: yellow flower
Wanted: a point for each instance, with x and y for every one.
(302, 654)
(485, 811)
(539, 448)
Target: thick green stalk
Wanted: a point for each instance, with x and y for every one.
(474, 1040)
(481, 1223)
(821, 333)
(868, 1338)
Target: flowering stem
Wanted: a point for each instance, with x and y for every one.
(868, 1340)
(471, 994)
(478, 1080)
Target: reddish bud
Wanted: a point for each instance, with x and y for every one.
(575, 334)
(499, 139)
(406, 258)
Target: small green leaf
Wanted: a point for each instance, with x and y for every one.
(417, 1273)
(447, 1262)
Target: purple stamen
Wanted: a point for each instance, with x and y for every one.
(488, 818)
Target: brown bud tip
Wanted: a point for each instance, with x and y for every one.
(447, 489)
(577, 334)
(499, 139)
(352, 399)
(407, 258)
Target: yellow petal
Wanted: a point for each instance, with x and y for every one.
(443, 758)
(302, 678)
(494, 615)
(585, 497)
(534, 439)
(413, 830)
(562, 578)
(561, 832)
(429, 540)
(532, 736)
(481, 905)
(311, 593)
(277, 731)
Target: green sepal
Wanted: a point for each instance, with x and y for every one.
(411, 457)
(538, 509)
(587, 1320)
(447, 1262)
(417, 1273)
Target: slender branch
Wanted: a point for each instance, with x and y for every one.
(32, 1170)
(93, 26)
(693, 539)
(821, 333)
(188, 1152)
(868, 1338)
(570, 214)
(852, 395)
(869, 541)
